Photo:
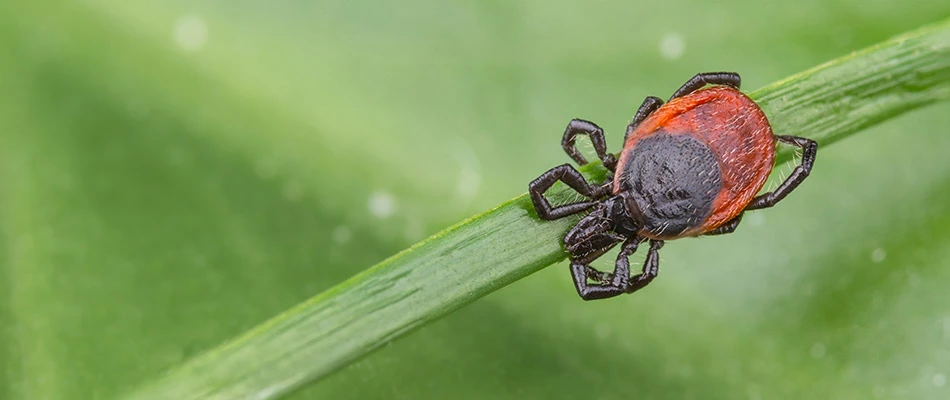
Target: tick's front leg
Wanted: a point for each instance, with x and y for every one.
(567, 174)
(651, 267)
(618, 281)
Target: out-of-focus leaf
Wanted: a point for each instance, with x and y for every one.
(489, 251)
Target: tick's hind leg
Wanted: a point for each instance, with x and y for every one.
(567, 174)
(618, 281)
(809, 150)
(596, 134)
(730, 79)
(728, 227)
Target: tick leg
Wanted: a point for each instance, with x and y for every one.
(650, 268)
(582, 127)
(809, 150)
(567, 174)
(591, 238)
(708, 78)
(650, 104)
(619, 280)
(728, 227)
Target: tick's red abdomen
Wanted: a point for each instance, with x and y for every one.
(737, 132)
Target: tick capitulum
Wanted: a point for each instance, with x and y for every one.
(689, 167)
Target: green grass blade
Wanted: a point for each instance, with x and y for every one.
(489, 251)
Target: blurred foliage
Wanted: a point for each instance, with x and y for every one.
(491, 250)
(173, 173)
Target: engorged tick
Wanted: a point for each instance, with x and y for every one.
(689, 167)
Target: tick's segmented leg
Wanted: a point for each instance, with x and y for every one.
(619, 280)
(650, 104)
(591, 237)
(651, 267)
(728, 227)
(809, 150)
(596, 134)
(567, 174)
(731, 79)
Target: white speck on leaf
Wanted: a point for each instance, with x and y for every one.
(878, 255)
(191, 33)
(672, 46)
(382, 204)
(939, 380)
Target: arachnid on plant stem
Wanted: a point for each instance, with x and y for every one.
(689, 167)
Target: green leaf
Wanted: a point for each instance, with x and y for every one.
(489, 251)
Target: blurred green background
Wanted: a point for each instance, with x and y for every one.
(174, 173)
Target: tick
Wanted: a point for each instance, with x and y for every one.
(690, 167)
